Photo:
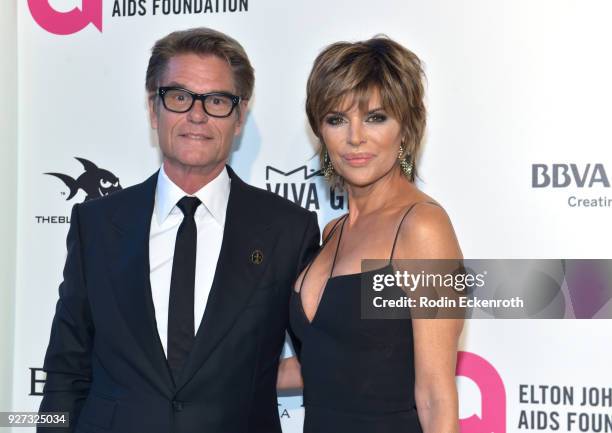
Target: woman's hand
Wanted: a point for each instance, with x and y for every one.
(289, 374)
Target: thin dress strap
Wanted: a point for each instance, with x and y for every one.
(331, 271)
(402, 221)
(333, 229)
(327, 239)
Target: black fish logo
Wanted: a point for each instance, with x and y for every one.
(96, 182)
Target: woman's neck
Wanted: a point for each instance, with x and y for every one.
(383, 193)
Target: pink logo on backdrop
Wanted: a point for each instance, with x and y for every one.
(492, 391)
(66, 23)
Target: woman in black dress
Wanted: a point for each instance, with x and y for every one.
(365, 104)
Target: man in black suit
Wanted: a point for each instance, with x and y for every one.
(173, 309)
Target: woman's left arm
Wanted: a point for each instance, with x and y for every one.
(435, 342)
(428, 234)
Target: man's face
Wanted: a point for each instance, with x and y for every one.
(195, 140)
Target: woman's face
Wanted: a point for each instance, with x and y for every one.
(363, 146)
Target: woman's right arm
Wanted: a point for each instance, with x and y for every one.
(289, 374)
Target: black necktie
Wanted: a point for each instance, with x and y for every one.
(181, 328)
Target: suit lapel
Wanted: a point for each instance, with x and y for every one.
(236, 276)
(130, 273)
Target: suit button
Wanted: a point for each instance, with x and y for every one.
(177, 405)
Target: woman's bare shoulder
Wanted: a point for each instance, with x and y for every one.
(329, 226)
(427, 232)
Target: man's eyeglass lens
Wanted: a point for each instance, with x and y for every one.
(181, 101)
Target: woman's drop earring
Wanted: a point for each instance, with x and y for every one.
(405, 162)
(328, 167)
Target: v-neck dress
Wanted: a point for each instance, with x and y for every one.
(358, 373)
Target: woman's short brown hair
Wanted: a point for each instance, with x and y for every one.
(354, 70)
(202, 41)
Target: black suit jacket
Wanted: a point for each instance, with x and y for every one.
(105, 363)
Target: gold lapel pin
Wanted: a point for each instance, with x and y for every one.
(256, 257)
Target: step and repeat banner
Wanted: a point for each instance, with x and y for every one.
(518, 151)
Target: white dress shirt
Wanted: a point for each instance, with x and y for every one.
(166, 219)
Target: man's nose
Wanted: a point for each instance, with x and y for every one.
(197, 113)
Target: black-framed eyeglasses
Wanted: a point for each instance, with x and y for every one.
(216, 104)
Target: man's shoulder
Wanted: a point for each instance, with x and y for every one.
(267, 202)
(129, 196)
(264, 201)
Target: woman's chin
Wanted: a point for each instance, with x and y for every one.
(361, 181)
(360, 178)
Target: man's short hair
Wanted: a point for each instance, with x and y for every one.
(202, 41)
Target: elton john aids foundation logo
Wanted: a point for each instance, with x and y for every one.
(66, 23)
(492, 417)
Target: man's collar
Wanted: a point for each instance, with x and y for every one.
(214, 195)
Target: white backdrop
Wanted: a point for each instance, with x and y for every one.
(8, 180)
(510, 84)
